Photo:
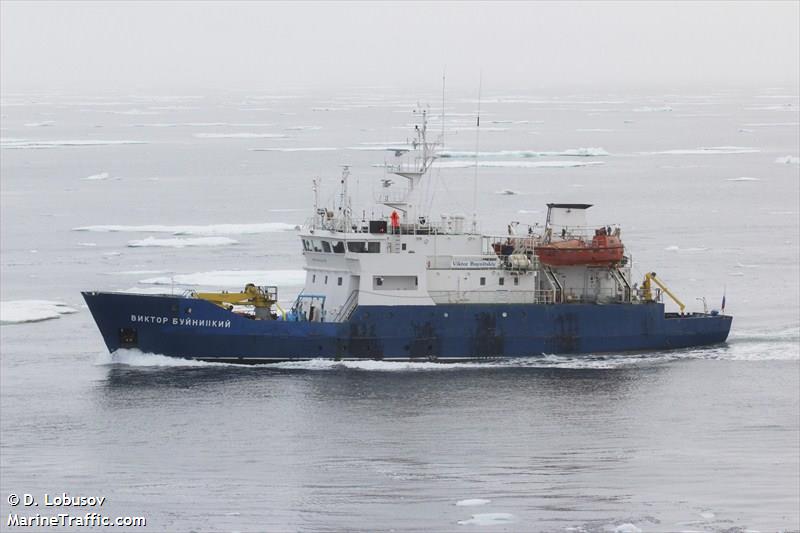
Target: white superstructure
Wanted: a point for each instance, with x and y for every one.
(403, 258)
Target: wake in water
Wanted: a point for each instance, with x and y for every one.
(781, 345)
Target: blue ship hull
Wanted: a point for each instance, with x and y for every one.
(197, 329)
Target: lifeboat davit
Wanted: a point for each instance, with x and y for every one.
(603, 249)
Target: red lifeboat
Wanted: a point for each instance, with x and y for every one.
(604, 249)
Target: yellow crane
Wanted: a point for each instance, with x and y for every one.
(647, 293)
(252, 295)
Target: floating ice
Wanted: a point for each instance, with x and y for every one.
(20, 311)
(134, 112)
(239, 135)
(97, 177)
(303, 128)
(648, 109)
(39, 144)
(472, 502)
(168, 291)
(212, 229)
(87, 244)
(308, 149)
(42, 124)
(389, 147)
(515, 164)
(788, 160)
(488, 519)
(770, 124)
(506, 192)
(573, 152)
(138, 272)
(743, 178)
(675, 248)
(627, 528)
(182, 243)
(713, 150)
(232, 278)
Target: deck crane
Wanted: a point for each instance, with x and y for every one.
(260, 298)
(647, 293)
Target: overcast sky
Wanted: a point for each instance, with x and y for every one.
(101, 46)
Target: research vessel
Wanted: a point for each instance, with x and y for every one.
(401, 285)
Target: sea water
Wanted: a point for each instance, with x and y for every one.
(123, 192)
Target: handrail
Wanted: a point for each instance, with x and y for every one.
(347, 307)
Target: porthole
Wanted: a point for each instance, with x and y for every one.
(446, 315)
(505, 314)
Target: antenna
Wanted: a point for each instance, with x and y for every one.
(477, 152)
(443, 85)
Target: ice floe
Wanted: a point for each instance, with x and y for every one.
(676, 248)
(303, 128)
(134, 112)
(168, 291)
(43, 124)
(303, 149)
(138, 272)
(771, 124)
(232, 278)
(182, 243)
(472, 502)
(97, 177)
(488, 519)
(573, 152)
(788, 160)
(40, 144)
(507, 192)
(712, 150)
(211, 229)
(21, 311)
(239, 135)
(627, 528)
(744, 178)
(649, 109)
(515, 164)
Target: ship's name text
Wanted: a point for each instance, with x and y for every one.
(175, 321)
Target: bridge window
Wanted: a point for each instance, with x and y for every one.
(326, 246)
(338, 247)
(340, 281)
(316, 246)
(502, 281)
(306, 245)
(483, 281)
(361, 247)
(516, 281)
(357, 247)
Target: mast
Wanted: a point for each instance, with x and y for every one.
(477, 153)
(413, 170)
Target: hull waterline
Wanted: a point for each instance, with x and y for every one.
(196, 329)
